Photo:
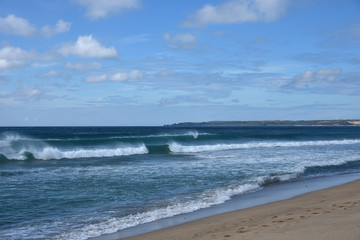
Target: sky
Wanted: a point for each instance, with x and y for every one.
(156, 62)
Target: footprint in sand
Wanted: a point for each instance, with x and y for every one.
(242, 230)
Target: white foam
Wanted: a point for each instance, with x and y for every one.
(113, 225)
(178, 148)
(48, 153)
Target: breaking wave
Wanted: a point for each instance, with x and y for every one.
(53, 153)
(178, 148)
(204, 200)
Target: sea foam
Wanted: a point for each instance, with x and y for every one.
(54, 153)
(178, 148)
(49, 153)
(112, 225)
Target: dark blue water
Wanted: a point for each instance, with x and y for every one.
(81, 182)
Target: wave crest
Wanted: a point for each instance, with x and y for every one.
(53, 153)
(178, 148)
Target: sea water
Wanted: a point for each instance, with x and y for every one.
(82, 182)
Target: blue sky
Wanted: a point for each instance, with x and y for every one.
(155, 62)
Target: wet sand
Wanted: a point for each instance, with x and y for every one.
(332, 213)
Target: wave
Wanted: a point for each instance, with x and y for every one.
(178, 148)
(204, 200)
(113, 225)
(53, 153)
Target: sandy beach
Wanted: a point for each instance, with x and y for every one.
(332, 213)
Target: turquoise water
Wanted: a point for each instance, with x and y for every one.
(82, 182)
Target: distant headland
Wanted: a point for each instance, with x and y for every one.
(353, 122)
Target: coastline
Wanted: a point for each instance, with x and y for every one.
(332, 213)
(236, 213)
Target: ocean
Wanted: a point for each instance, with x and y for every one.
(84, 182)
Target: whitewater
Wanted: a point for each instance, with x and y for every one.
(85, 182)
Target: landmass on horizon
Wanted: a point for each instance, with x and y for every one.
(342, 122)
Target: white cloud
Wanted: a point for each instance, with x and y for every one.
(51, 73)
(100, 9)
(237, 11)
(87, 47)
(17, 26)
(96, 78)
(14, 57)
(317, 80)
(83, 66)
(117, 77)
(322, 75)
(24, 93)
(60, 27)
(124, 76)
(180, 40)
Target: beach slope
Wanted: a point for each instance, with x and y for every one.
(332, 213)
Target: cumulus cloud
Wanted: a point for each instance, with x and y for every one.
(14, 25)
(88, 47)
(180, 40)
(82, 66)
(237, 11)
(117, 77)
(15, 57)
(60, 27)
(96, 9)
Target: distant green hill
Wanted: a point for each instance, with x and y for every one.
(268, 123)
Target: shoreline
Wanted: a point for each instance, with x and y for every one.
(332, 213)
(250, 201)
